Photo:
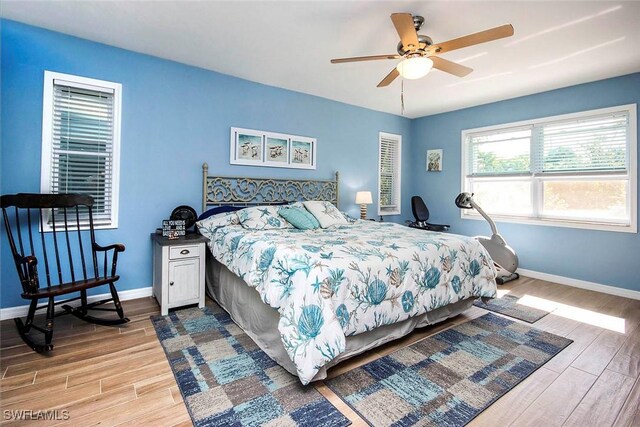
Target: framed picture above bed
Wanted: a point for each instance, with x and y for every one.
(276, 149)
(303, 153)
(247, 147)
(250, 147)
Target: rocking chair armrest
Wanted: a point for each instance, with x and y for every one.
(118, 247)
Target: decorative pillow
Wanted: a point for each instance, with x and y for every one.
(208, 226)
(325, 212)
(300, 218)
(219, 210)
(262, 218)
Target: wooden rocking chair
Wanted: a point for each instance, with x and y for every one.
(27, 215)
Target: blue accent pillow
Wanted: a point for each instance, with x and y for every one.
(300, 218)
(219, 210)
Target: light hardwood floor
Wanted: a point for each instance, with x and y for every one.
(119, 376)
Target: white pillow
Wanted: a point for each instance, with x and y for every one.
(208, 226)
(325, 212)
(262, 218)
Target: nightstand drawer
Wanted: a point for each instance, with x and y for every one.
(179, 252)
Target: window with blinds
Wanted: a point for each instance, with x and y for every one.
(81, 142)
(504, 152)
(390, 151)
(593, 144)
(577, 170)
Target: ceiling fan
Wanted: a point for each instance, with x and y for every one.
(418, 51)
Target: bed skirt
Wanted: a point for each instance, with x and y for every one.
(260, 321)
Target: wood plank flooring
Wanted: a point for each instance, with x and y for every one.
(106, 376)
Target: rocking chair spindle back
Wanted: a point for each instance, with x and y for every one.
(66, 251)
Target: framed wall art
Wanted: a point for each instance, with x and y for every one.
(259, 148)
(247, 147)
(276, 149)
(434, 160)
(303, 153)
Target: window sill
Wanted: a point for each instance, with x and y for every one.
(633, 228)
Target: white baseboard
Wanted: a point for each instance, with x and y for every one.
(22, 310)
(582, 284)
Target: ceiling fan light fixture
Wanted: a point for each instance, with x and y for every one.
(414, 67)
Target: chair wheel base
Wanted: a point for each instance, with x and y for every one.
(501, 280)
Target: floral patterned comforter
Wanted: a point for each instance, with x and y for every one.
(331, 283)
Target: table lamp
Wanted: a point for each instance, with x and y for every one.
(363, 198)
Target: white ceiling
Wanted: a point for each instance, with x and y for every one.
(289, 44)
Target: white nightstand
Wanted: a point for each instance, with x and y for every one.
(178, 271)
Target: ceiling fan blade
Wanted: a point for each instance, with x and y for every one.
(473, 39)
(404, 26)
(390, 77)
(364, 58)
(450, 67)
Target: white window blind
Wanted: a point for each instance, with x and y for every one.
(592, 144)
(576, 170)
(390, 150)
(80, 145)
(504, 152)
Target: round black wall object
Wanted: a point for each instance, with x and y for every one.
(186, 213)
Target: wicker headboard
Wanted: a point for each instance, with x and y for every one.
(242, 191)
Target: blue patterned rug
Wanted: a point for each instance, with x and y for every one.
(225, 379)
(508, 305)
(449, 378)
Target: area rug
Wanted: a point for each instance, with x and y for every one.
(225, 379)
(449, 378)
(508, 305)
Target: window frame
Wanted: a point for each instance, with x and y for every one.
(537, 181)
(47, 137)
(398, 184)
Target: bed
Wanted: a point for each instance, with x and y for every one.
(313, 298)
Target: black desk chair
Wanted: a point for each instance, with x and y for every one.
(49, 263)
(421, 214)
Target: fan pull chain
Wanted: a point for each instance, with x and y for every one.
(402, 97)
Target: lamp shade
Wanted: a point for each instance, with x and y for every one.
(364, 198)
(414, 67)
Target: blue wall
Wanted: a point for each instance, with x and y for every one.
(597, 256)
(174, 118)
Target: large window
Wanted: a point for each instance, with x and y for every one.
(576, 170)
(390, 153)
(80, 142)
